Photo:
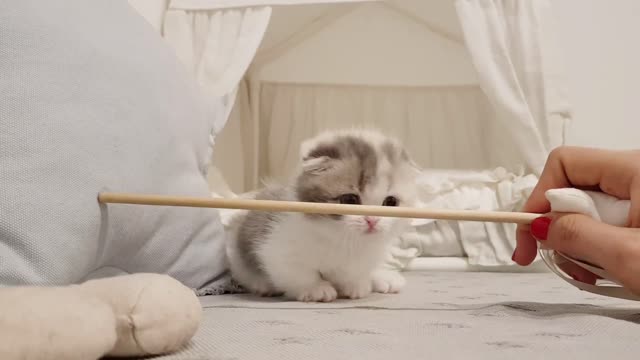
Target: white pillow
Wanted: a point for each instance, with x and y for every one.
(92, 99)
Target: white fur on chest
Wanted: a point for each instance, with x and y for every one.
(308, 260)
(299, 242)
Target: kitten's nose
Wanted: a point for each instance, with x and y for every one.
(371, 222)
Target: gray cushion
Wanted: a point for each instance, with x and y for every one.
(92, 99)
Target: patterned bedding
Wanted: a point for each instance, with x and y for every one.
(440, 315)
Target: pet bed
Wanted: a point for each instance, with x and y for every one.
(439, 315)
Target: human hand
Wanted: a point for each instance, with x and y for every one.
(615, 249)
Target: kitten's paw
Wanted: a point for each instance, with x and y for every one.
(356, 290)
(261, 289)
(322, 291)
(388, 281)
(269, 293)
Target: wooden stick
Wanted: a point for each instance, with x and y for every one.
(317, 208)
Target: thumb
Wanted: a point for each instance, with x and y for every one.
(581, 237)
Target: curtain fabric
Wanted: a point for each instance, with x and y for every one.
(512, 48)
(439, 125)
(217, 46)
(225, 4)
(229, 167)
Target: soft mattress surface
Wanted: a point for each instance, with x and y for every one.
(439, 315)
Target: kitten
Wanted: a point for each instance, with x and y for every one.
(315, 257)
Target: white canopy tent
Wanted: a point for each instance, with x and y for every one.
(473, 87)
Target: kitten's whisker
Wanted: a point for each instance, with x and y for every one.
(318, 208)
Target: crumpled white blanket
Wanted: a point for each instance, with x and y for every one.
(483, 244)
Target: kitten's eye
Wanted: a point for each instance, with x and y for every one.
(390, 201)
(352, 199)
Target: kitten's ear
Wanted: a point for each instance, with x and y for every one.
(317, 157)
(316, 165)
(414, 165)
(415, 168)
(305, 149)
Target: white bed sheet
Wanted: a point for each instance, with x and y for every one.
(440, 315)
(462, 264)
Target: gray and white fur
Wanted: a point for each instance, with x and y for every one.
(315, 257)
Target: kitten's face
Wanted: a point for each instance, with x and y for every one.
(357, 168)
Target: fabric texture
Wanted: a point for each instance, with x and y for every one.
(438, 315)
(155, 314)
(54, 323)
(223, 4)
(231, 173)
(133, 315)
(513, 47)
(484, 244)
(217, 47)
(439, 125)
(92, 99)
(461, 264)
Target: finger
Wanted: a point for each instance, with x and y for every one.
(610, 171)
(580, 237)
(552, 177)
(586, 168)
(578, 273)
(526, 246)
(634, 210)
(615, 249)
(572, 269)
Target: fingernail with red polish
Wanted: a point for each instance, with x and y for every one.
(513, 257)
(577, 278)
(540, 228)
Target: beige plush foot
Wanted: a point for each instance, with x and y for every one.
(156, 314)
(44, 323)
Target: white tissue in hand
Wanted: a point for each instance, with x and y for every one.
(601, 207)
